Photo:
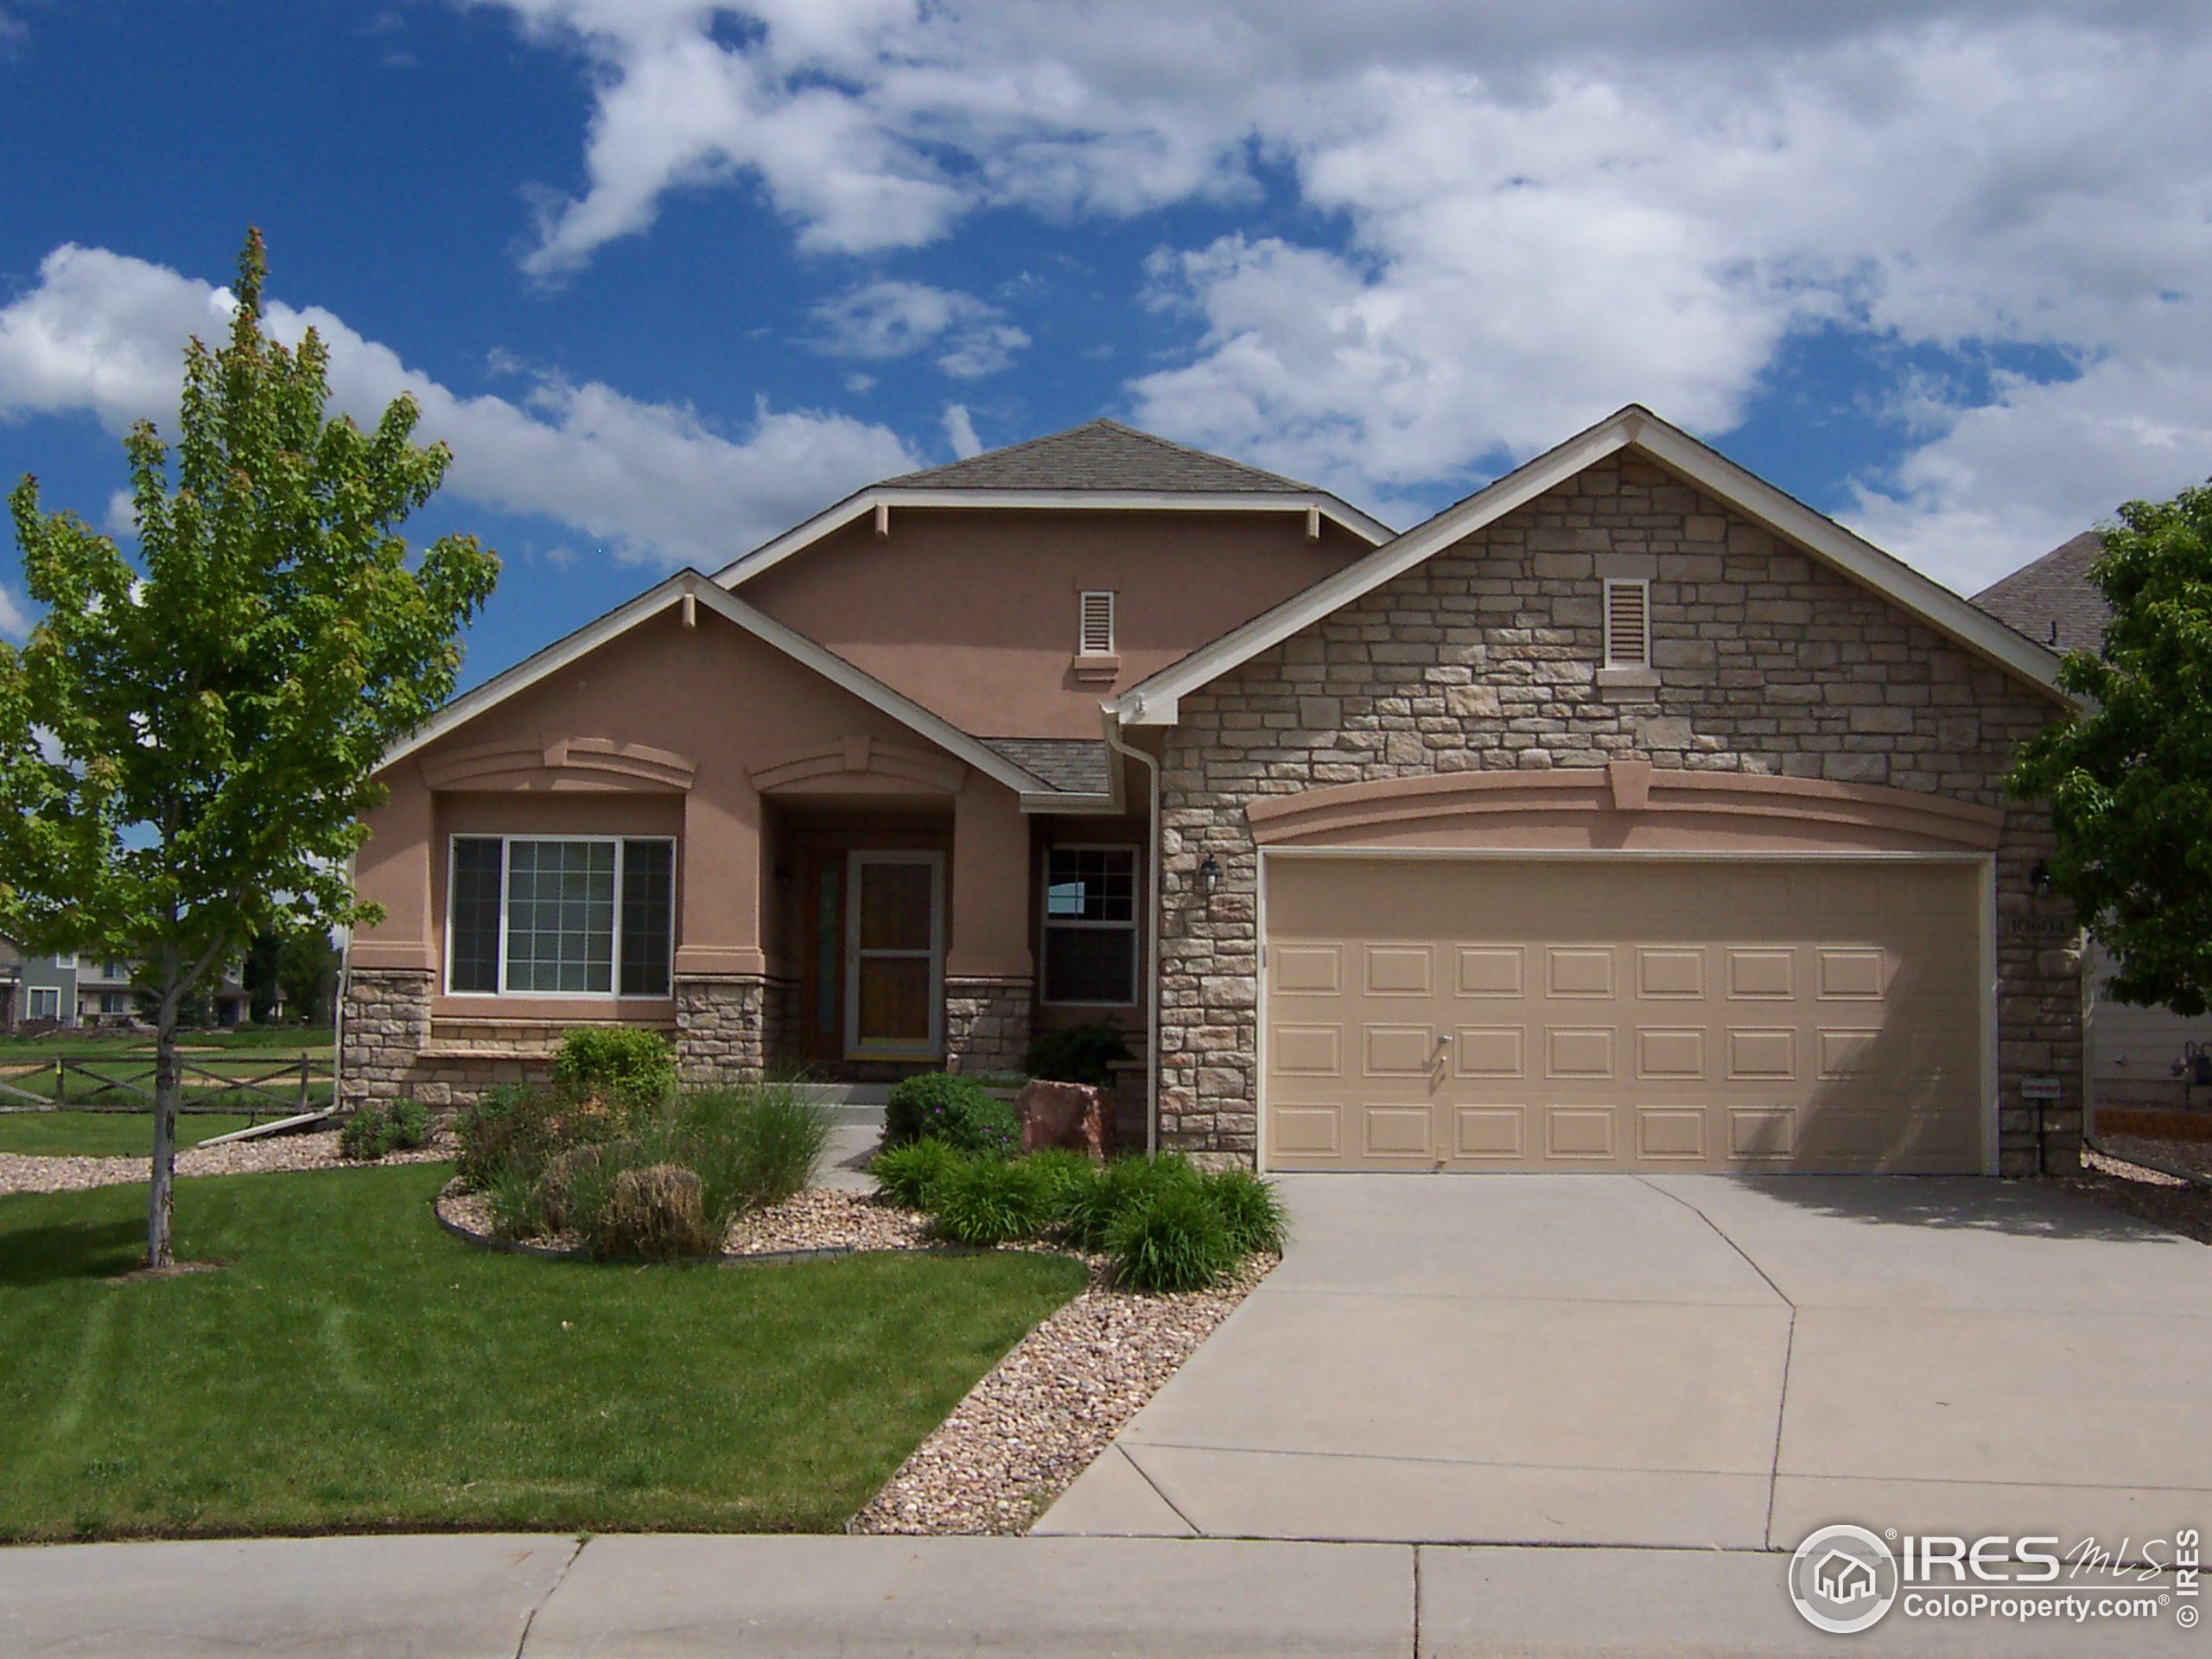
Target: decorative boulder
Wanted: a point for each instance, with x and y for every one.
(1071, 1115)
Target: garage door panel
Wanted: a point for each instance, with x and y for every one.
(1613, 1014)
(1489, 1133)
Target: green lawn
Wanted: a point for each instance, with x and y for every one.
(283, 1042)
(106, 1135)
(357, 1369)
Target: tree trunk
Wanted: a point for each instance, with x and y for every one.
(167, 1089)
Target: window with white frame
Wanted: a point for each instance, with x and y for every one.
(66, 960)
(1628, 622)
(114, 1002)
(42, 1002)
(1091, 926)
(572, 916)
(1094, 625)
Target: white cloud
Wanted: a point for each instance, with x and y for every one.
(960, 431)
(1532, 214)
(655, 483)
(15, 619)
(13, 33)
(889, 319)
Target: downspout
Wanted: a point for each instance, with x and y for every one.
(1113, 724)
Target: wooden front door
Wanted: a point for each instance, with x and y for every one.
(894, 944)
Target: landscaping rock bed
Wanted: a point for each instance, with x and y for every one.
(21, 1172)
(1038, 1419)
(2148, 1194)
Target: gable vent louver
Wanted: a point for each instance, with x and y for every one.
(1628, 622)
(1096, 625)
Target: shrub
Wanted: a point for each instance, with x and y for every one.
(751, 1146)
(573, 1184)
(1089, 1212)
(377, 1127)
(409, 1124)
(654, 1210)
(1061, 1174)
(517, 1211)
(938, 1106)
(907, 1175)
(1174, 1239)
(1250, 1208)
(524, 1130)
(1077, 1053)
(630, 1067)
(989, 1201)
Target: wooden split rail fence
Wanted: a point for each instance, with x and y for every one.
(241, 1084)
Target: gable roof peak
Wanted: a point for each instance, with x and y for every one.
(1100, 454)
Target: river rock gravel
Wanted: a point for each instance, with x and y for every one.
(22, 1173)
(1038, 1417)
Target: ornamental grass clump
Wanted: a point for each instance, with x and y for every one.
(752, 1146)
(1089, 1210)
(989, 1201)
(907, 1176)
(655, 1211)
(1250, 1208)
(1173, 1239)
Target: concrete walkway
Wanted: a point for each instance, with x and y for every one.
(523, 1597)
(1683, 1363)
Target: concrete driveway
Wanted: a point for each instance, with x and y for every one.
(1692, 1361)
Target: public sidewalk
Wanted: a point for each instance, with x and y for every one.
(537, 1597)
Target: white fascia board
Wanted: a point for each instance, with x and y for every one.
(767, 557)
(1155, 702)
(765, 628)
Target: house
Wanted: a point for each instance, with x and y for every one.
(1627, 813)
(38, 993)
(67, 990)
(2136, 1056)
(1844, 1578)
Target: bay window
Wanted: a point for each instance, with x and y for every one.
(569, 916)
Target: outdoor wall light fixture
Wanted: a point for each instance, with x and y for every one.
(1209, 876)
(2040, 879)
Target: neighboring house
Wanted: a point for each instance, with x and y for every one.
(2135, 1055)
(1627, 814)
(67, 990)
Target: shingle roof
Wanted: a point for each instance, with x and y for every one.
(1074, 766)
(2051, 600)
(1102, 455)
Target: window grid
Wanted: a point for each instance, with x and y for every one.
(554, 916)
(1091, 931)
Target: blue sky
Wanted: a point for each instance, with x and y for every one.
(670, 277)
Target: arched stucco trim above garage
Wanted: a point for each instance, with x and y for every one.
(1628, 805)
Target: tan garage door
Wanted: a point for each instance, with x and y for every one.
(1622, 1013)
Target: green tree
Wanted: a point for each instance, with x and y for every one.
(258, 975)
(2130, 779)
(186, 740)
(306, 969)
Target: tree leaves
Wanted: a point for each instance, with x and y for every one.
(2130, 782)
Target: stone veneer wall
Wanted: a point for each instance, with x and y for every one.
(1486, 656)
(722, 1028)
(387, 1020)
(987, 1023)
